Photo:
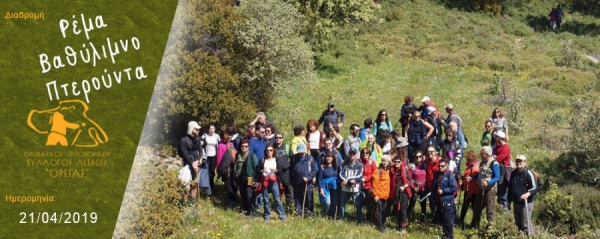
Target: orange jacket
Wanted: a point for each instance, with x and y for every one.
(472, 169)
(381, 183)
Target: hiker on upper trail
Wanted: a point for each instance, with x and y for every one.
(521, 192)
(553, 18)
(559, 15)
(331, 116)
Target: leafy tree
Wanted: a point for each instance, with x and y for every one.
(324, 17)
(273, 50)
(584, 140)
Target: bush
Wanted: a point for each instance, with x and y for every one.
(569, 209)
(149, 208)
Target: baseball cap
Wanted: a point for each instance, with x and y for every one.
(301, 148)
(501, 134)
(352, 151)
(449, 106)
(426, 98)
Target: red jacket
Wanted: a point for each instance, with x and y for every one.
(432, 167)
(472, 169)
(502, 153)
(401, 177)
(368, 169)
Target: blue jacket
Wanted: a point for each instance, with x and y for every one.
(257, 146)
(303, 167)
(445, 181)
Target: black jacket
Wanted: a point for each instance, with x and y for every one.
(520, 183)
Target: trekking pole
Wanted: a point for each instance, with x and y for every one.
(304, 199)
(529, 229)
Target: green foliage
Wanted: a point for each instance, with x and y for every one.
(570, 56)
(325, 17)
(149, 208)
(273, 48)
(569, 209)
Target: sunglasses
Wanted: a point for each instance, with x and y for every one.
(419, 156)
(397, 161)
(269, 150)
(442, 166)
(244, 146)
(279, 137)
(520, 160)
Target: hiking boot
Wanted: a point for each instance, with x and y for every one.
(382, 229)
(252, 214)
(192, 202)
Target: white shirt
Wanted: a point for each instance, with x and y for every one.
(211, 144)
(269, 165)
(314, 139)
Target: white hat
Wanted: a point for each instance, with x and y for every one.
(501, 134)
(521, 157)
(192, 125)
(426, 98)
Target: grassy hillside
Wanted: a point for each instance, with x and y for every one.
(422, 48)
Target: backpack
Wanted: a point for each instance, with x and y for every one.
(502, 171)
(537, 179)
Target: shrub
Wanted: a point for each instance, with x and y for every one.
(569, 209)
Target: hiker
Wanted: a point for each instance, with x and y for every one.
(366, 129)
(298, 139)
(225, 160)
(487, 137)
(487, 181)
(443, 187)
(381, 191)
(553, 18)
(387, 142)
(382, 122)
(470, 188)
(352, 141)
(406, 112)
(401, 186)
(451, 148)
(189, 151)
(431, 115)
(331, 116)
(257, 142)
(419, 174)
(268, 168)
(522, 189)
(502, 155)
(328, 186)
(559, 15)
(250, 132)
(244, 169)
(304, 170)
(315, 138)
(270, 134)
(234, 136)
(283, 154)
(351, 174)
(211, 141)
(369, 166)
(432, 161)
(401, 142)
(418, 132)
(499, 121)
(373, 147)
(260, 119)
(452, 117)
(335, 136)
(329, 148)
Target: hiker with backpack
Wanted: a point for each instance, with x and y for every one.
(418, 132)
(304, 170)
(351, 175)
(503, 156)
(327, 176)
(430, 114)
(283, 154)
(487, 183)
(522, 189)
(369, 166)
(225, 160)
(381, 191)
(419, 174)
(451, 148)
(444, 186)
(244, 170)
(268, 178)
(373, 147)
(190, 152)
(406, 111)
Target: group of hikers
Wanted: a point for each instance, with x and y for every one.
(379, 167)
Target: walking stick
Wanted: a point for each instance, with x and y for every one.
(528, 219)
(304, 199)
